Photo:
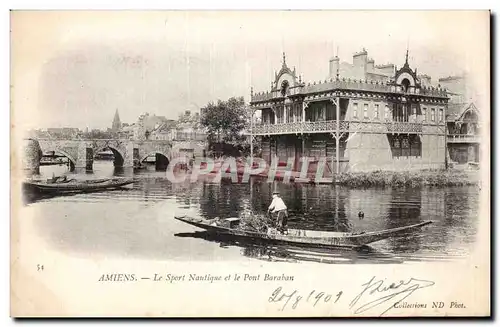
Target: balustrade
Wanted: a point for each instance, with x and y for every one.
(463, 138)
(403, 127)
(344, 126)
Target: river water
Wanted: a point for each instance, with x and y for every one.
(138, 221)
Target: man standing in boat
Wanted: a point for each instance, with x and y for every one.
(279, 208)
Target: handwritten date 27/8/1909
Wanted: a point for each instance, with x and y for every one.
(295, 298)
(376, 293)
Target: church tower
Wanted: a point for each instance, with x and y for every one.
(117, 125)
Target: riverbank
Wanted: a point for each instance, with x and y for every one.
(417, 178)
(439, 178)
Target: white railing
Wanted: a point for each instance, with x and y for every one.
(344, 126)
(463, 138)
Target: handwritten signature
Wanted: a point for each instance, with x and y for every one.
(295, 298)
(393, 293)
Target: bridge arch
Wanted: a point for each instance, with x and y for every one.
(162, 159)
(119, 157)
(72, 160)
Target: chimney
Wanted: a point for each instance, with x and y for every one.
(359, 59)
(370, 65)
(334, 67)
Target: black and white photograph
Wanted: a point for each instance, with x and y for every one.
(305, 163)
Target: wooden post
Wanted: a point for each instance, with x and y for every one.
(337, 134)
(251, 138)
(304, 106)
(336, 205)
(303, 141)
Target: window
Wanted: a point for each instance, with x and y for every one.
(365, 111)
(355, 110)
(424, 114)
(415, 146)
(321, 114)
(375, 112)
(405, 84)
(404, 145)
(433, 114)
(396, 147)
(386, 113)
(440, 115)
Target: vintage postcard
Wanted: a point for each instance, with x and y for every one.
(250, 163)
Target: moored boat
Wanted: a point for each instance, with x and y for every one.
(310, 238)
(58, 186)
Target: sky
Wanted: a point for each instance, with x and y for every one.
(74, 69)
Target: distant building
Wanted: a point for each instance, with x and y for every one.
(458, 88)
(127, 132)
(188, 137)
(37, 134)
(117, 125)
(146, 124)
(163, 131)
(62, 132)
(188, 128)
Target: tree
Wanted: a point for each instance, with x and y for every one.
(225, 120)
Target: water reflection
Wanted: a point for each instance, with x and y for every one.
(138, 221)
(260, 250)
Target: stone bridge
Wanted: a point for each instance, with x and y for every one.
(81, 152)
(127, 153)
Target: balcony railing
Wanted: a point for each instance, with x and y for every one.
(331, 126)
(463, 138)
(404, 127)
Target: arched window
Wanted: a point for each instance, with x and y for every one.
(406, 84)
(284, 87)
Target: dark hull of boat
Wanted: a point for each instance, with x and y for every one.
(87, 186)
(307, 238)
(53, 163)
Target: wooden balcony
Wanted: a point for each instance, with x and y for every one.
(462, 138)
(330, 126)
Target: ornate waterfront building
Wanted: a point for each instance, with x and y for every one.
(362, 118)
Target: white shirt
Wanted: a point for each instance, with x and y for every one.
(277, 204)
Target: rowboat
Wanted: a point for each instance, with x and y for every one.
(73, 185)
(301, 237)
